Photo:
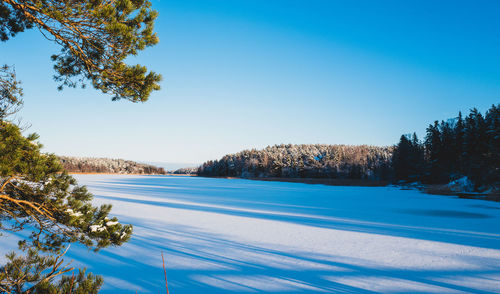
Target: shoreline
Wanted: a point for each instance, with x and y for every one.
(129, 174)
(327, 182)
(316, 181)
(428, 189)
(443, 190)
(313, 181)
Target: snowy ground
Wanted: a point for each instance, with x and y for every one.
(234, 236)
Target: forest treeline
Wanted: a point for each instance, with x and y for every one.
(107, 165)
(305, 161)
(184, 171)
(461, 147)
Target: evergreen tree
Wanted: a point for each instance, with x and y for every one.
(36, 195)
(34, 273)
(448, 156)
(417, 157)
(452, 149)
(476, 148)
(492, 118)
(458, 145)
(95, 38)
(407, 159)
(10, 92)
(401, 159)
(433, 153)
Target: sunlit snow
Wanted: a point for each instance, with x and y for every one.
(237, 236)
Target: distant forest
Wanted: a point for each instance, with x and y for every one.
(106, 165)
(461, 147)
(453, 149)
(305, 161)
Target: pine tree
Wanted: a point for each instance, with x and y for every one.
(36, 195)
(95, 38)
(34, 273)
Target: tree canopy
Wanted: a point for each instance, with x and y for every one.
(45, 204)
(37, 195)
(304, 161)
(38, 198)
(95, 37)
(453, 149)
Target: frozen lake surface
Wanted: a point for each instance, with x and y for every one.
(234, 236)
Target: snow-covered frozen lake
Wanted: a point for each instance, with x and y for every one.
(234, 236)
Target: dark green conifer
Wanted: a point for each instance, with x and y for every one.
(36, 195)
(95, 38)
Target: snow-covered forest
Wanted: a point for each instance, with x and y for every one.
(462, 148)
(107, 165)
(305, 161)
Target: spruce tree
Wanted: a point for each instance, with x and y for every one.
(401, 159)
(458, 146)
(447, 158)
(462, 147)
(407, 159)
(492, 118)
(417, 159)
(434, 151)
(476, 148)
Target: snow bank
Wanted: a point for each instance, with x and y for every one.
(462, 184)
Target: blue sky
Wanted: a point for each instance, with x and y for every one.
(247, 74)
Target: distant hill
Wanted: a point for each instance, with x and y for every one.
(305, 161)
(185, 171)
(170, 167)
(107, 165)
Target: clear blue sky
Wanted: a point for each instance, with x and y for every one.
(245, 74)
